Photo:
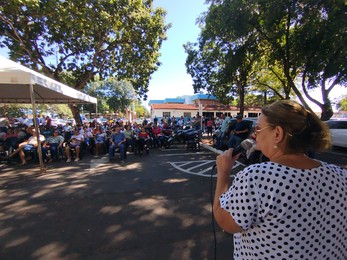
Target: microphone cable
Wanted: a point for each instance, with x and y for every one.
(212, 213)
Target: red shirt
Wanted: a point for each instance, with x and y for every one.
(156, 130)
(143, 135)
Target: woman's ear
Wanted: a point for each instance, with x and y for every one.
(279, 134)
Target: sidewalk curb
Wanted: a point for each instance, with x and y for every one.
(212, 149)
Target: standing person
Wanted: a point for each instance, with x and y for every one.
(292, 207)
(218, 122)
(197, 123)
(209, 126)
(188, 123)
(225, 125)
(48, 121)
(23, 121)
(4, 123)
(117, 141)
(180, 122)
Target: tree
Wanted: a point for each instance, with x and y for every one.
(300, 39)
(17, 110)
(112, 95)
(140, 109)
(85, 39)
(342, 104)
(223, 62)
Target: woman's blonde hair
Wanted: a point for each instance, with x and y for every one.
(304, 130)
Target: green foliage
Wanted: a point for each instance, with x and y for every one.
(74, 41)
(113, 96)
(14, 110)
(17, 110)
(342, 104)
(141, 110)
(292, 40)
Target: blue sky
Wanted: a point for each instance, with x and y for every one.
(171, 79)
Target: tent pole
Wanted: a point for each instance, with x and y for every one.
(96, 108)
(39, 149)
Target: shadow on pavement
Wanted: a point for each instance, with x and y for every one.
(96, 210)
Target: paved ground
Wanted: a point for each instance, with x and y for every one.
(154, 207)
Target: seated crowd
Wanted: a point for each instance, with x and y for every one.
(70, 142)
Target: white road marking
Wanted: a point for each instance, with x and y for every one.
(203, 164)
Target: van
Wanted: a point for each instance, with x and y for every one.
(338, 130)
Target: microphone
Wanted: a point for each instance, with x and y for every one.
(245, 145)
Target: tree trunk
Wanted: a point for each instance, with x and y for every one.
(242, 99)
(265, 98)
(76, 114)
(327, 110)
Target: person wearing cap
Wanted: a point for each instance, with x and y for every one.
(239, 133)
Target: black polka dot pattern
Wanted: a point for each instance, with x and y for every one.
(289, 213)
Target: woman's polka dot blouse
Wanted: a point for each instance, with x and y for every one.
(289, 213)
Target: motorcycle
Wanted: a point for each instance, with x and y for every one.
(182, 136)
(167, 138)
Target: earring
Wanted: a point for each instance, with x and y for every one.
(275, 146)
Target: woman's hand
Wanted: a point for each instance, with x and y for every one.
(226, 161)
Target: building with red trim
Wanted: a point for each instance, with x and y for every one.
(198, 104)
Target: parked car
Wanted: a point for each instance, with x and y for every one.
(57, 121)
(338, 130)
(251, 123)
(29, 121)
(71, 121)
(138, 121)
(101, 120)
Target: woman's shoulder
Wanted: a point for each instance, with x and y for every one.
(268, 168)
(276, 167)
(334, 168)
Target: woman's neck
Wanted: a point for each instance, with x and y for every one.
(297, 160)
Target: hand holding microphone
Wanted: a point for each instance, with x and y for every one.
(225, 160)
(246, 145)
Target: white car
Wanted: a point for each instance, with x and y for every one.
(138, 121)
(57, 121)
(101, 120)
(338, 130)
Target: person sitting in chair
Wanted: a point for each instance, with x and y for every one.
(27, 145)
(239, 133)
(117, 141)
(142, 142)
(75, 142)
(54, 143)
(100, 138)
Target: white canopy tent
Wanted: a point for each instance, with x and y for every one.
(15, 81)
(20, 85)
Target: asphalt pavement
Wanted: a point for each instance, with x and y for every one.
(152, 207)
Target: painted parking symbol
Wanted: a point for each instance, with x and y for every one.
(204, 168)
